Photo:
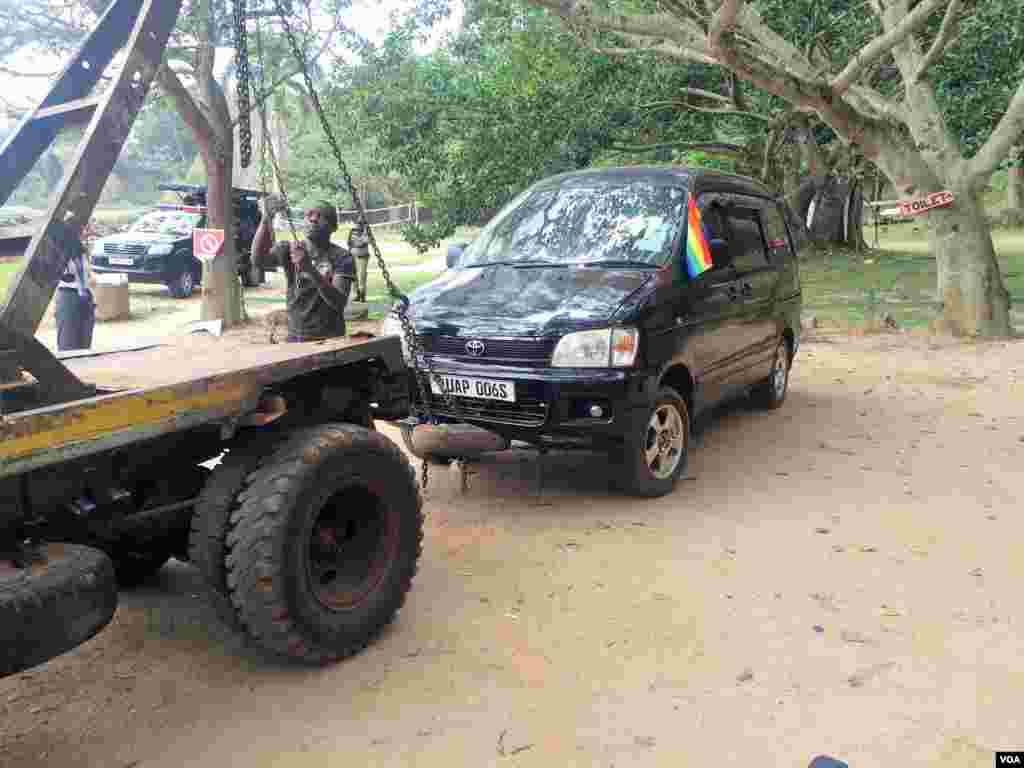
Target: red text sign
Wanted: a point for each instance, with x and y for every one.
(206, 243)
(934, 200)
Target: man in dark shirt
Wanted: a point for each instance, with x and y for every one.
(359, 246)
(319, 273)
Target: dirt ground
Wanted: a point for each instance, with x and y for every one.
(841, 576)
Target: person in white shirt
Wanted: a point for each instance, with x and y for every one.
(76, 309)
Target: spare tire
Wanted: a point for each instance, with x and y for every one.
(54, 604)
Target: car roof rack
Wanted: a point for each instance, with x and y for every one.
(197, 189)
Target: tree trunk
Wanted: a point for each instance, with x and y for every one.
(810, 152)
(221, 286)
(970, 287)
(1015, 190)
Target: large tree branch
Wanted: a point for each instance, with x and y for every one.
(871, 100)
(786, 85)
(1007, 133)
(786, 56)
(711, 147)
(187, 108)
(728, 111)
(670, 50)
(942, 40)
(210, 93)
(650, 30)
(924, 117)
(854, 126)
(710, 95)
(738, 39)
(884, 43)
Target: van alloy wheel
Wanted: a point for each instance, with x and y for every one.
(654, 456)
(663, 447)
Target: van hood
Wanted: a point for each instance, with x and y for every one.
(149, 238)
(523, 300)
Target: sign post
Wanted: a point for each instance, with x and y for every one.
(207, 243)
(934, 200)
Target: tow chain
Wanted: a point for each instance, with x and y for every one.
(408, 331)
(242, 82)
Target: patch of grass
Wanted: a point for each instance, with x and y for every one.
(376, 294)
(393, 248)
(118, 217)
(849, 290)
(376, 291)
(8, 269)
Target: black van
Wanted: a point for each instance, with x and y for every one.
(574, 320)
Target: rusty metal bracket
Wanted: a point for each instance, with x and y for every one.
(54, 383)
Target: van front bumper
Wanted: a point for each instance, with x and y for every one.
(554, 407)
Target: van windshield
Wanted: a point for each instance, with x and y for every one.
(632, 223)
(167, 222)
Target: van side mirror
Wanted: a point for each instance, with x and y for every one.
(455, 251)
(719, 252)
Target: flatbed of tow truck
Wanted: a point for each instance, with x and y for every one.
(173, 385)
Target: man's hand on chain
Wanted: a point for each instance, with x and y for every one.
(299, 255)
(272, 204)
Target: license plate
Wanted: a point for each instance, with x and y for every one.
(122, 262)
(483, 389)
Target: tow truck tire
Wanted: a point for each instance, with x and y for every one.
(54, 605)
(324, 544)
(207, 545)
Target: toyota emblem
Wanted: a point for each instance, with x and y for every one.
(475, 347)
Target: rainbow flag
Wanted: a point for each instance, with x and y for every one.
(698, 254)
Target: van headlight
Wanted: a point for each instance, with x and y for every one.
(603, 348)
(160, 249)
(393, 326)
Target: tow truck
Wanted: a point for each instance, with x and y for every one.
(308, 528)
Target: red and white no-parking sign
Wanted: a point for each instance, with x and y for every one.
(206, 243)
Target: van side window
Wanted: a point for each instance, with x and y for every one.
(775, 233)
(712, 217)
(746, 243)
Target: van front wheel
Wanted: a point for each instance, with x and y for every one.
(654, 457)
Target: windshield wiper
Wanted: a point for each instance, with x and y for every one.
(479, 264)
(616, 264)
